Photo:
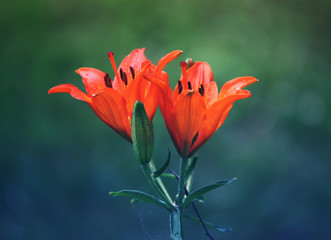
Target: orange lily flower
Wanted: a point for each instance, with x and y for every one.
(113, 101)
(195, 110)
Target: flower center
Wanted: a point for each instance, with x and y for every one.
(122, 75)
(184, 66)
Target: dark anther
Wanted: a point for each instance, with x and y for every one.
(194, 138)
(180, 87)
(189, 85)
(132, 72)
(125, 79)
(121, 73)
(108, 81)
(202, 90)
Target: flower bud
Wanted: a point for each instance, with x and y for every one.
(142, 134)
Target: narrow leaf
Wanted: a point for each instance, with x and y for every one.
(138, 195)
(168, 175)
(159, 172)
(210, 225)
(197, 193)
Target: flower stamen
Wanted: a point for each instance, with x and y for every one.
(125, 79)
(183, 66)
(112, 61)
(202, 90)
(108, 81)
(180, 87)
(189, 85)
(121, 73)
(132, 72)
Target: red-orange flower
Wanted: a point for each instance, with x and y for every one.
(195, 110)
(113, 101)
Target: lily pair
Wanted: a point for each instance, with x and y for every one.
(192, 112)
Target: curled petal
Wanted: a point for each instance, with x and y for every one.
(72, 90)
(93, 79)
(166, 59)
(232, 86)
(215, 116)
(110, 106)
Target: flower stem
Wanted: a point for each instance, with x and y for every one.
(147, 171)
(181, 183)
(195, 208)
(177, 216)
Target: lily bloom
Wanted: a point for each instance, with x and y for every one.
(113, 100)
(195, 110)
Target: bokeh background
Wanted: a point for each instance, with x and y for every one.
(59, 161)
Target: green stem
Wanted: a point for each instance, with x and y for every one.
(181, 182)
(176, 225)
(148, 174)
(176, 217)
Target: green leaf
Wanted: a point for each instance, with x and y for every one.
(159, 172)
(199, 192)
(142, 134)
(210, 225)
(201, 199)
(139, 195)
(168, 175)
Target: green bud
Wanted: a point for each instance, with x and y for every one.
(142, 134)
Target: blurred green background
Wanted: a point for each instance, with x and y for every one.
(59, 161)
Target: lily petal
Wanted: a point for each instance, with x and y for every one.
(230, 87)
(72, 90)
(200, 73)
(215, 116)
(211, 93)
(93, 79)
(137, 89)
(134, 60)
(166, 59)
(189, 110)
(110, 106)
